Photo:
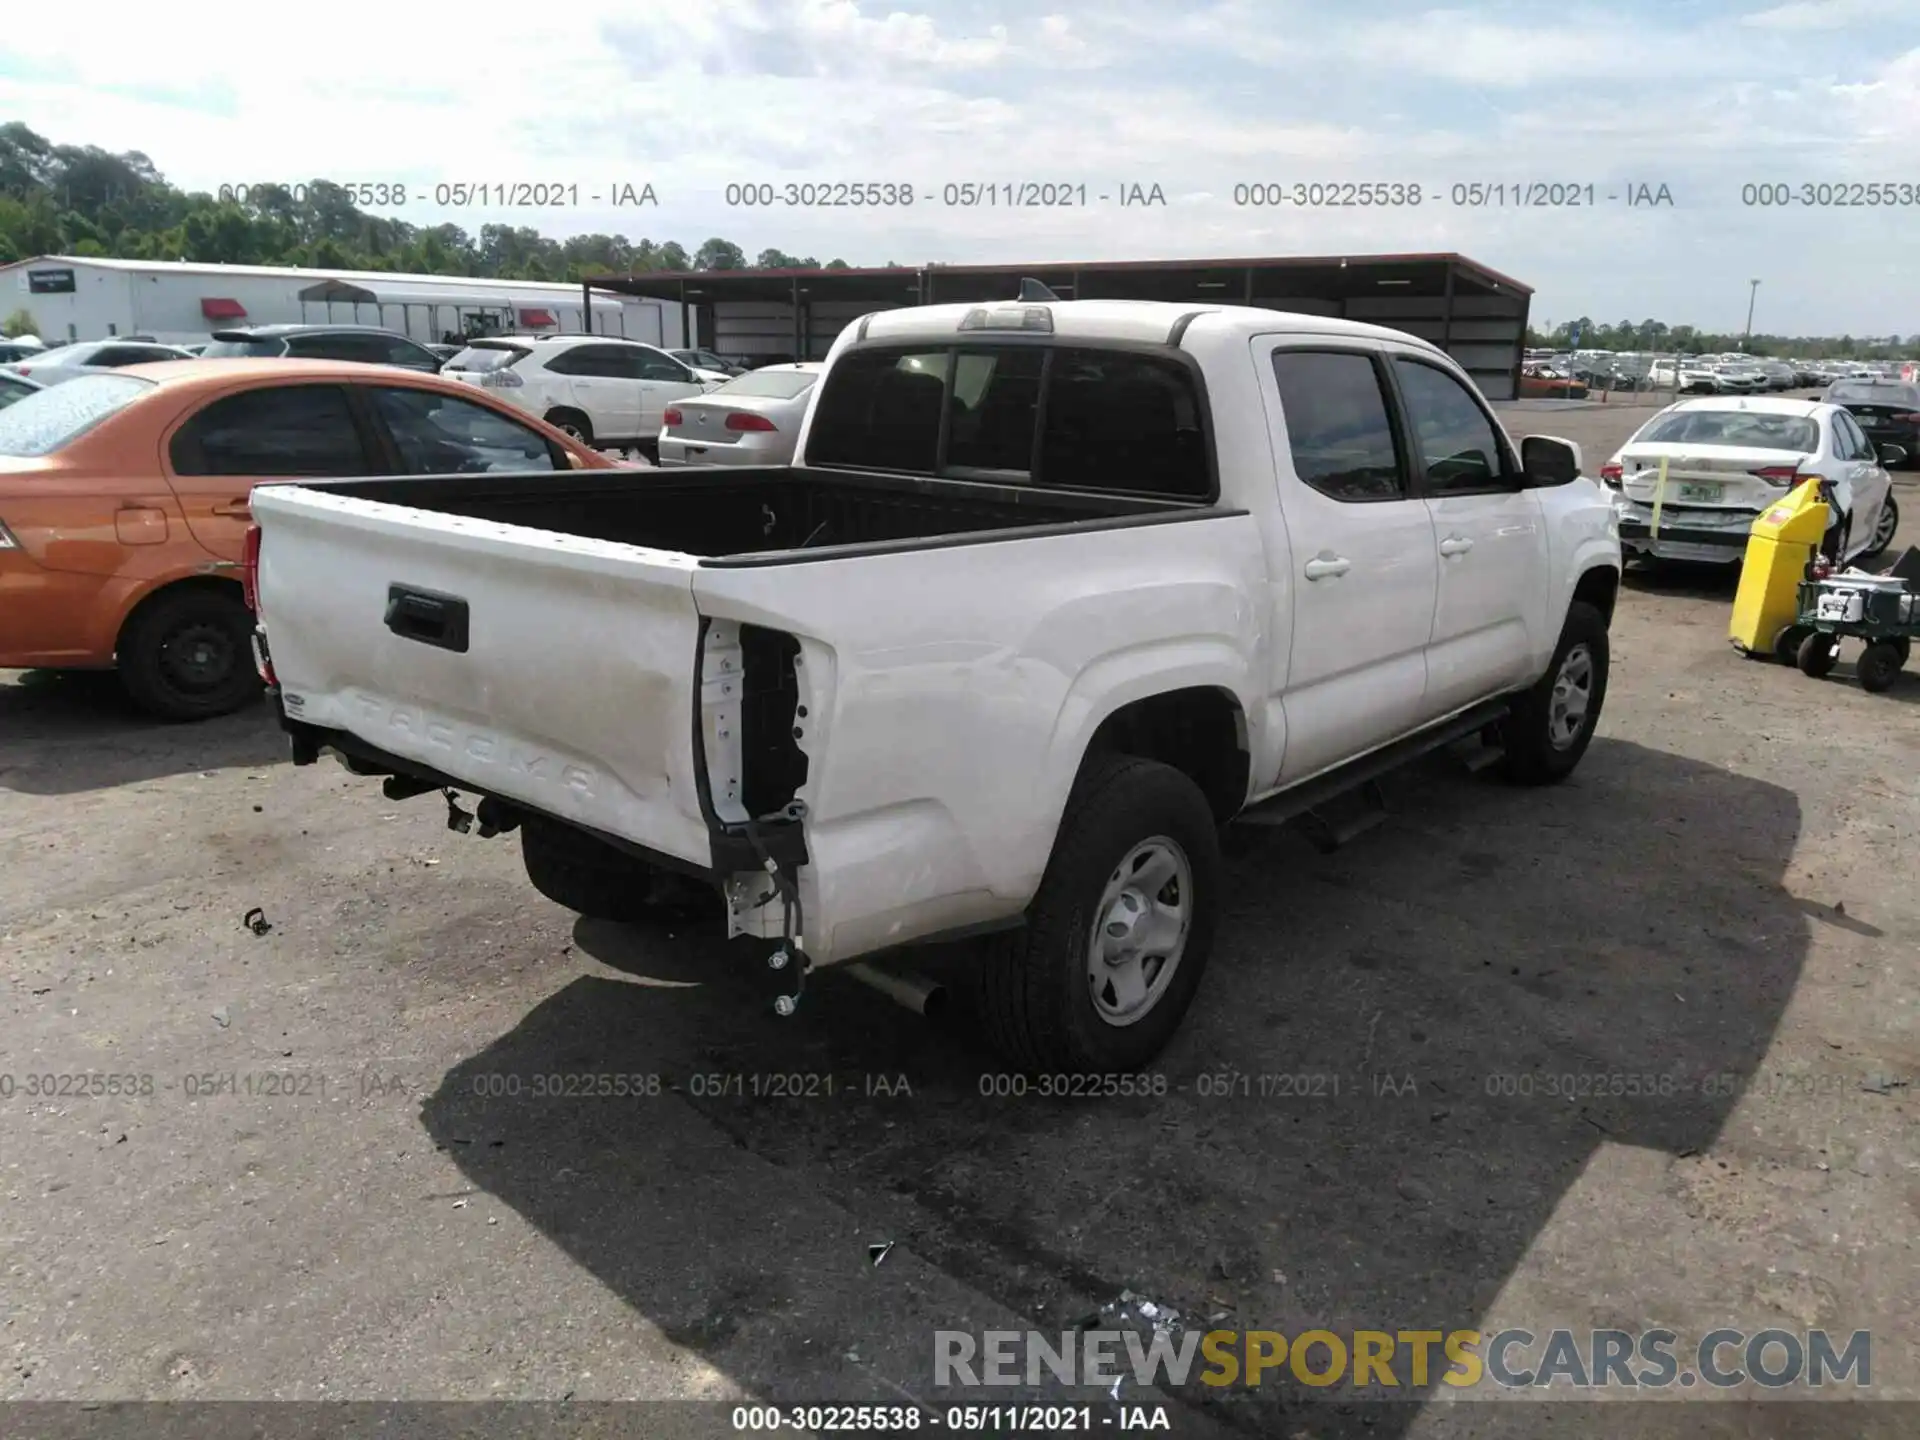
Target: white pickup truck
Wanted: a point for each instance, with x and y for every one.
(1051, 592)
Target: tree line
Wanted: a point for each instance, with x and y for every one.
(83, 200)
(1660, 338)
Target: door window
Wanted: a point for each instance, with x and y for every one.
(403, 352)
(1338, 425)
(291, 430)
(438, 434)
(650, 365)
(600, 362)
(1854, 444)
(1456, 441)
(1120, 421)
(364, 349)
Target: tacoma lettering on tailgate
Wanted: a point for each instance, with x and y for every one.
(478, 745)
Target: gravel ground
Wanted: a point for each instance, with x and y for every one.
(1723, 890)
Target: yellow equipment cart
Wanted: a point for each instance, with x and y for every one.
(1780, 548)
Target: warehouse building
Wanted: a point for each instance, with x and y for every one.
(79, 297)
(1475, 314)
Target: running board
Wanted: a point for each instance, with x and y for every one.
(1365, 773)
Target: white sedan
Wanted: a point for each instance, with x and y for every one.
(753, 420)
(1728, 458)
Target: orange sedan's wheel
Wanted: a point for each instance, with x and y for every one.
(187, 654)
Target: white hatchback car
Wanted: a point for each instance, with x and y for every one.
(753, 420)
(1730, 457)
(600, 389)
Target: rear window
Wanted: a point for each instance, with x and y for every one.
(1745, 428)
(479, 359)
(244, 349)
(1114, 421)
(1861, 392)
(49, 419)
(774, 384)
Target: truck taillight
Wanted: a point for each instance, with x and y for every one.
(250, 568)
(1610, 475)
(746, 420)
(672, 417)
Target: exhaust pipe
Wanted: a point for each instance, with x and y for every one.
(924, 997)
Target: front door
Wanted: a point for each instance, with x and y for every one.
(1490, 541)
(1356, 602)
(663, 380)
(215, 456)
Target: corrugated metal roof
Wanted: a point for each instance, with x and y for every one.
(545, 288)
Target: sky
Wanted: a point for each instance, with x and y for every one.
(1704, 97)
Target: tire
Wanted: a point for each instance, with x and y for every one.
(1819, 653)
(591, 878)
(1879, 663)
(1051, 1000)
(571, 422)
(187, 654)
(1551, 725)
(1883, 528)
(1786, 646)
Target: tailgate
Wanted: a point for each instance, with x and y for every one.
(545, 668)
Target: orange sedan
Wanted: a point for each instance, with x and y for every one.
(123, 502)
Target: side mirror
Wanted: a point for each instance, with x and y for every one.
(1549, 460)
(1891, 455)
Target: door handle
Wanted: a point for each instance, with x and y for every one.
(238, 508)
(1455, 545)
(1324, 567)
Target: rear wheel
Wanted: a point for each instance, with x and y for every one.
(1119, 934)
(593, 879)
(1879, 663)
(1551, 725)
(573, 423)
(1819, 653)
(188, 655)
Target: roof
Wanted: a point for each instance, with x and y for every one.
(1140, 321)
(214, 372)
(1135, 278)
(390, 280)
(548, 340)
(295, 327)
(1757, 404)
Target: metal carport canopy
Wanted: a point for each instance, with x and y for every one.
(402, 292)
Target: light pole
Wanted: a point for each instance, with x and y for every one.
(1753, 290)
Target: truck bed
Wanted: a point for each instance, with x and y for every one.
(754, 515)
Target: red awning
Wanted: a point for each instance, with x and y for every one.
(215, 308)
(537, 318)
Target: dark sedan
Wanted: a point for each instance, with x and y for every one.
(1888, 410)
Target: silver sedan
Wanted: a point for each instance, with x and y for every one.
(752, 420)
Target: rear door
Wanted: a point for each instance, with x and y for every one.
(603, 385)
(213, 458)
(1490, 540)
(1359, 605)
(1865, 481)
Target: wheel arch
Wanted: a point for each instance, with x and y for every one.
(166, 589)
